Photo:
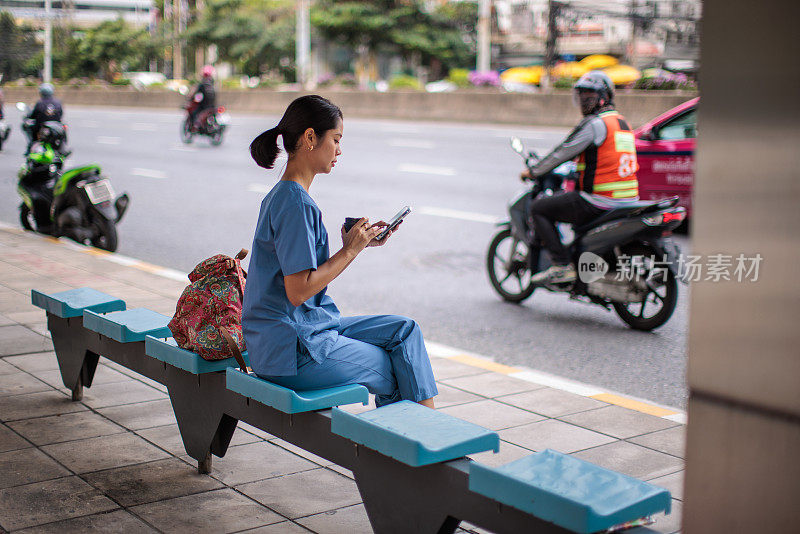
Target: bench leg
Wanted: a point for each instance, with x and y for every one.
(76, 363)
(396, 502)
(77, 391)
(204, 428)
(204, 466)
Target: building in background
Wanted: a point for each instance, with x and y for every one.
(643, 32)
(82, 13)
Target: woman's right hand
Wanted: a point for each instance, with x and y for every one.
(359, 235)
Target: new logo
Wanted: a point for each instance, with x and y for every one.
(591, 267)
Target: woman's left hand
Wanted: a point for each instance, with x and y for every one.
(382, 224)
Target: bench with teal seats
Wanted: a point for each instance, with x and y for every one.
(73, 302)
(127, 326)
(167, 350)
(407, 460)
(290, 401)
(414, 434)
(569, 492)
(65, 322)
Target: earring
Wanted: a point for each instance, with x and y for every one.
(311, 147)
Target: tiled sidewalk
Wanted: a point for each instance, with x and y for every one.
(114, 462)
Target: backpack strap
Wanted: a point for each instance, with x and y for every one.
(239, 271)
(235, 352)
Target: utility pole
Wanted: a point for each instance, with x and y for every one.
(484, 60)
(303, 44)
(634, 28)
(551, 45)
(47, 75)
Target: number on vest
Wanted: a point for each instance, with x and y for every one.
(627, 165)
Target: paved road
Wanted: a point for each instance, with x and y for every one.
(192, 201)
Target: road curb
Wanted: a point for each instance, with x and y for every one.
(436, 350)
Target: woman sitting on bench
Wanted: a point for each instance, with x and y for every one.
(294, 333)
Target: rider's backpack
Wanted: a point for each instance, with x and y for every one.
(208, 317)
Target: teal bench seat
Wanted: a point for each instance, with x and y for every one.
(414, 434)
(72, 303)
(127, 326)
(290, 401)
(168, 351)
(568, 491)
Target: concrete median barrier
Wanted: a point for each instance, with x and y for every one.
(474, 106)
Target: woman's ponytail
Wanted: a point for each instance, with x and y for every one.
(264, 148)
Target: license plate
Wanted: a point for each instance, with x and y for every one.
(99, 191)
(223, 119)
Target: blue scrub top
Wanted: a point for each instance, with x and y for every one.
(290, 238)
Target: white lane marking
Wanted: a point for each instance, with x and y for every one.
(89, 124)
(508, 135)
(457, 214)
(412, 143)
(258, 188)
(149, 173)
(105, 140)
(427, 169)
(182, 148)
(399, 128)
(144, 127)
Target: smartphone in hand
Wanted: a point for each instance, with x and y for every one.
(396, 220)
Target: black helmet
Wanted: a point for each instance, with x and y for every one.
(46, 89)
(597, 81)
(52, 132)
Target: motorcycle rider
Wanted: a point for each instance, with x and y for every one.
(603, 144)
(204, 95)
(48, 108)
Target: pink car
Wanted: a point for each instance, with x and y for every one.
(665, 150)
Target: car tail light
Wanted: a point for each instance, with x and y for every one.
(221, 109)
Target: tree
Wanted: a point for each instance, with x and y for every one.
(17, 46)
(254, 35)
(444, 36)
(114, 46)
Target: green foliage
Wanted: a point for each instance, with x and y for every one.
(563, 83)
(120, 81)
(460, 77)
(255, 35)
(114, 46)
(17, 47)
(404, 81)
(446, 35)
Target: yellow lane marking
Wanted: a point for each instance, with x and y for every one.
(633, 404)
(97, 252)
(148, 267)
(484, 364)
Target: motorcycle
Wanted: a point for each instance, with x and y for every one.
(625, 259)
(210, 122)
(77, 203)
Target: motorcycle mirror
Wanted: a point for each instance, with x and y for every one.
(183, 90)
(517, 145)
(21, 106)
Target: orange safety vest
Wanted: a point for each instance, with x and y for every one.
(610, 169)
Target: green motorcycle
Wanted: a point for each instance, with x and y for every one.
(77, 203)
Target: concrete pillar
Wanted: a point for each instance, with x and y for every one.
(743, 442)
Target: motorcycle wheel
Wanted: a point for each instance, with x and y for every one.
(216, 137)
(26, 218)
(660, 301)
(105, 236)
(507, 265)
(186, 132)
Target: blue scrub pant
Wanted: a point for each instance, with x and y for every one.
(385, 353)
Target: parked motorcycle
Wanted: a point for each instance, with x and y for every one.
(625, 258)
(77, 203)
(210, 122)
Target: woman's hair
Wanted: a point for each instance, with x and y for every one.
(310, 111)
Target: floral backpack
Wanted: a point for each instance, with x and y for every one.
(208, 317)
